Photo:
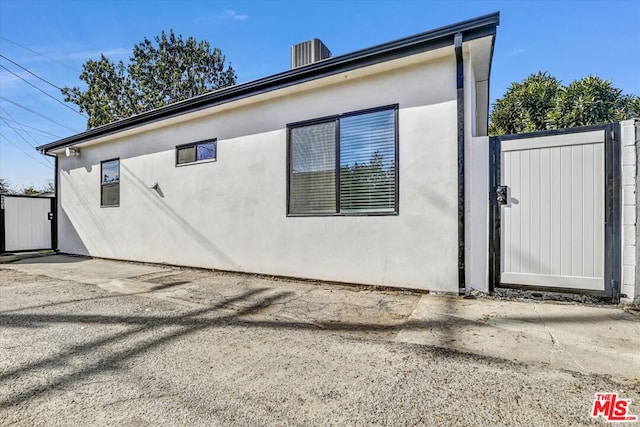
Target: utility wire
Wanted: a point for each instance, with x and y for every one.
(25, 153)
(25, 140)
(37, 114)
(20, 135)
(41, 54)
(7, 113)
(36, 87)
(30, 72)
(44, 132)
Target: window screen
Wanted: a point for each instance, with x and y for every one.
(313, 168)
(364, 146)
(186, 154)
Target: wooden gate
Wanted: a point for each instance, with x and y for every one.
(26, 223)
(555, 210)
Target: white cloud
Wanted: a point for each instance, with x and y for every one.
(515, 51)
(234, 15)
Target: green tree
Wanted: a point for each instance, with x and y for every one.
(524, 106)
(588, 101)
(540, 102)
(160, 72)
(29, 191)
(5, 187)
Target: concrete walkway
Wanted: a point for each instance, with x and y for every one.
(581, 338)
(587, 339)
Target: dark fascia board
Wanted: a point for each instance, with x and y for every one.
(471, 29)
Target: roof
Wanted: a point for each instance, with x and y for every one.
(471, 29)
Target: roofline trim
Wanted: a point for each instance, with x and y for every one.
(472, 29)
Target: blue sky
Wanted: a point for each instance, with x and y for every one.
(569, 39)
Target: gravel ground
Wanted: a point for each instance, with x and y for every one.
(208, 349)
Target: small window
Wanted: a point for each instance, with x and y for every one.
(196, 152)
(344, 165)
(110, 183)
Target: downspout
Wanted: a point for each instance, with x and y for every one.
(460, 100)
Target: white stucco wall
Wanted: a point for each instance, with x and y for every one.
(478, 218)
(231, 214)
(630, 135)
(476, 189)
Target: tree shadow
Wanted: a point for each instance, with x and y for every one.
(154, 288)
(446, 325)
(115, 359)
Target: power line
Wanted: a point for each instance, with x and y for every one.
(41, 54)
(20, 135)
(36, 87)
(37, 114)
(25, 153)
(25, 140)
(28, 126)
(7, 113)
(29, 71)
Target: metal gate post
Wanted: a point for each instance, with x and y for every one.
(494, 214)
(612, 213)
(3, 233)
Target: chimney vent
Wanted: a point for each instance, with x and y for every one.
(308, 52)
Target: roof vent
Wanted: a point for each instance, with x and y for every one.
(308, 52)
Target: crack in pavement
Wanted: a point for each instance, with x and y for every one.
(556, 346)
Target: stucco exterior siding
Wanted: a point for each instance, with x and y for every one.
(231, 214)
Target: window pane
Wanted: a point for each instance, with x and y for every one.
(367, 162)
(186, 154)
(313, 170)
(110, 195)
(206, 151)
(110, 171)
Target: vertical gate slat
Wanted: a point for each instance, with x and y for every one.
(588, 199)
(598, 194)
(545, 211)
(577, 212)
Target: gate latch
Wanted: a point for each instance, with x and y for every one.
(50, 216)
(502, 194)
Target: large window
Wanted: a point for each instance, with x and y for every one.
(196, 152)
(344, 165)
(110, 183)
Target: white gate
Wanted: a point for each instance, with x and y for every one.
(557, 200)
(26, 223)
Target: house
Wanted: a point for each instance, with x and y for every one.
(358, 168)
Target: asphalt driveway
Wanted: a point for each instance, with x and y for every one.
(87, 341)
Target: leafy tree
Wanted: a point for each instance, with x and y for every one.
(587, 101)
(5, 187)
(160, 72)
(29, 191)
(540, 102)
(524, 106)
(48, 187)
